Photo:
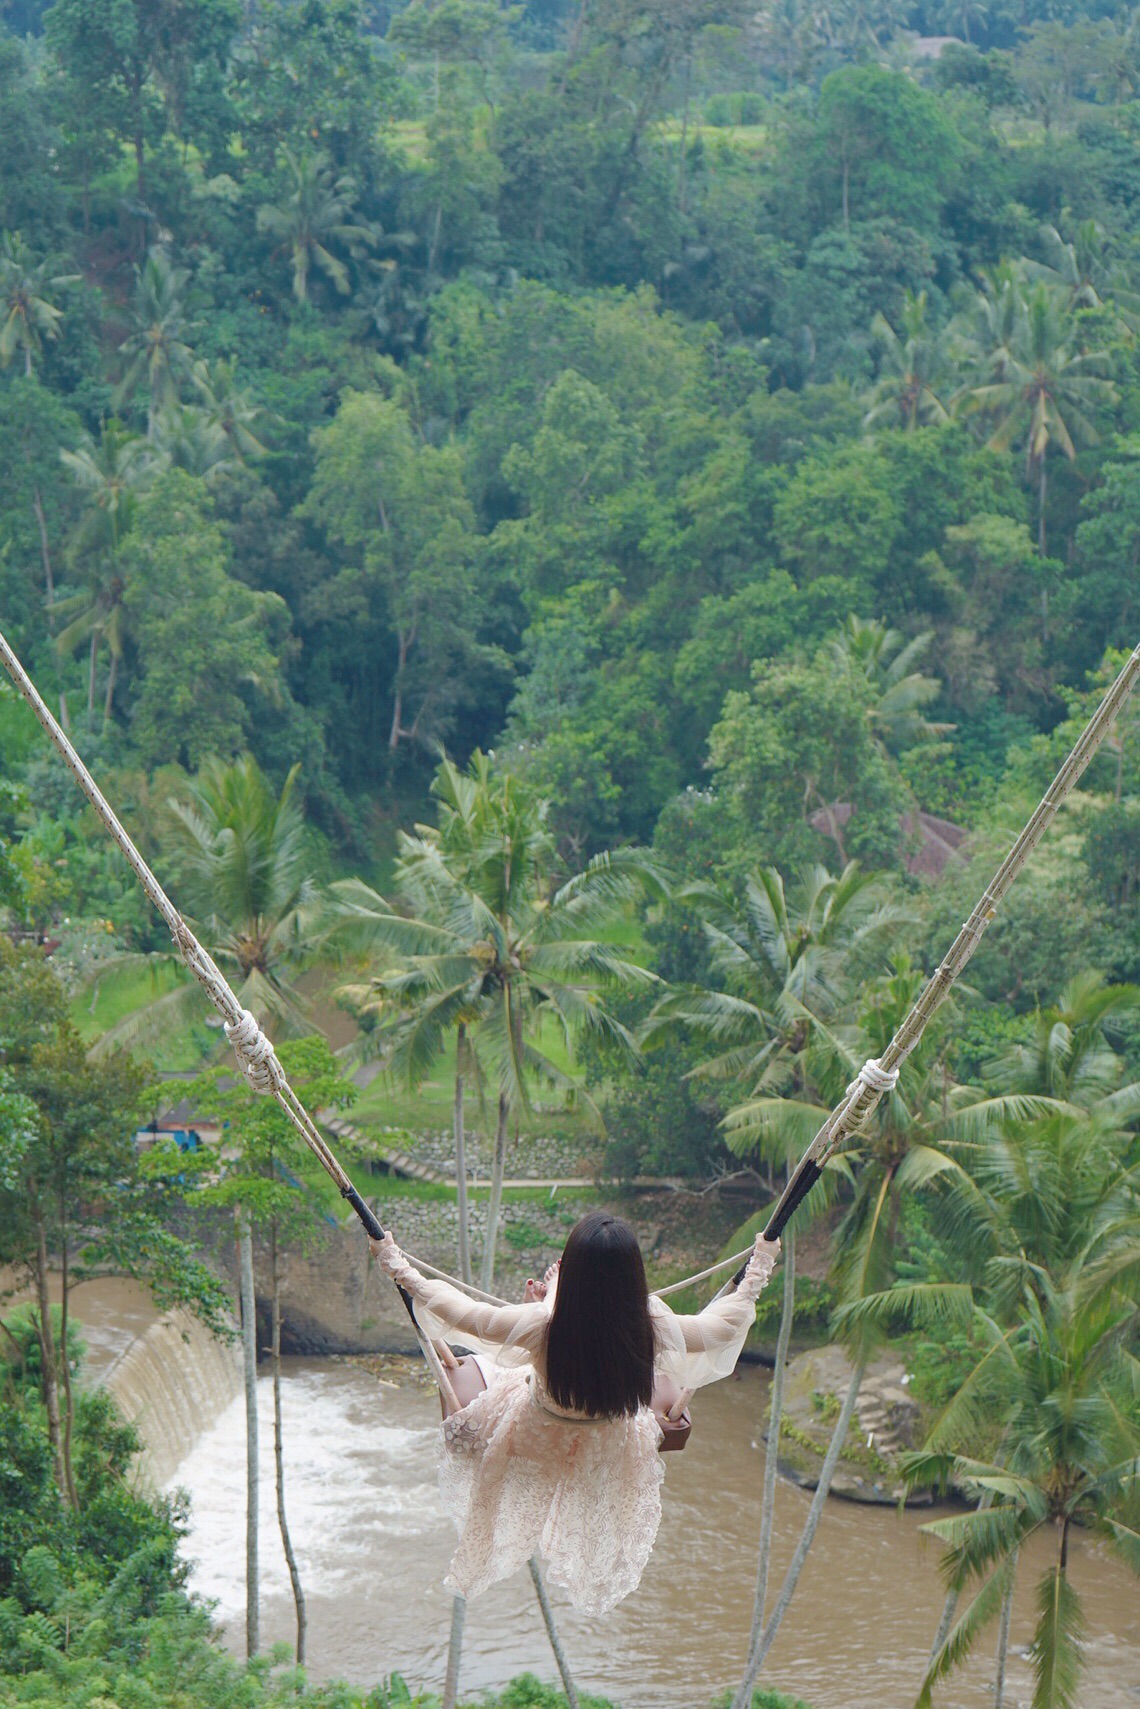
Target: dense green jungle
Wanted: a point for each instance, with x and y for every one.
(574, 534)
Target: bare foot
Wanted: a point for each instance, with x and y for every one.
(539, 1290)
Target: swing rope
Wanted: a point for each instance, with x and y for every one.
(881, 1074)
(265, 1075)
(255, 1053)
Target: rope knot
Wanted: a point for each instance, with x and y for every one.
(874, 1075)
(256, 1055)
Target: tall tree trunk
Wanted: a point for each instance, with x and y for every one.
(949, 1609)
(249, 1351)
(454, 1652)
(27, 361)
(1003, 1635)
(807, 1535)
(45, 554)
(404, 644)
(573, 46)
(91, 680)
(436, 233)
(65, 1362)
(48, 1381)
(552, 1633)
(461, 1155)
(846, 191)
(110, 695)
(771, 1456)
(1042, 492)
(279, 1456)
(487, 1274)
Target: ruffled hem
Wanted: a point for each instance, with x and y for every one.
(518, 1482)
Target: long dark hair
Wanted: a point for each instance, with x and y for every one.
(600, 1344)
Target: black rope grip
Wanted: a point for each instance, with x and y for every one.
(798, 1189)
(374, 1232)
(367, 1216)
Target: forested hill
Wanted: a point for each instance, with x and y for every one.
(729, 412)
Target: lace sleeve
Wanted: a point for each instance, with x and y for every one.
(704, 1347)
(444, 1312)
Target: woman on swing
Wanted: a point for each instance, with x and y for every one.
(558, 1454)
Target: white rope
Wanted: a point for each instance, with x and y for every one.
(874, 1075)
(703, 1275)
(255, 1053)
(443, 1276)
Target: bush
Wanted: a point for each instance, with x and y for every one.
(657, 1126)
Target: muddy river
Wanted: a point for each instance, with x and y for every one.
(373, 1543)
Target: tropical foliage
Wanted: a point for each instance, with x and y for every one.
(588, 528)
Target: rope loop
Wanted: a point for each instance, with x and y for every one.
(874, 1075)
(257, 1056)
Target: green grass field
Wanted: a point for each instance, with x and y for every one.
(390, 1103)
(741, 139)
(122, 992)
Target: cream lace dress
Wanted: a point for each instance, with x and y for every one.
(520, 1476)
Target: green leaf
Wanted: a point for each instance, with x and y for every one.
(1055, 1654)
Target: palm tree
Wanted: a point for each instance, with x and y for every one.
(248, 1297)
(26, 290)
(156, 350)
(190, 437)
(1038, 388)
(1119, 73)
(787, 958)
(1069, 1055)
(228, 408)
(246, 875)
(787, 965)
(1080, 267)
(1055, 1221)
(787, 37)
(981, 338)
(363, 921)
(906, 1149)
(912, 371)
(500, 950)
(96, 616)
(883, 658)
(317, 213)
(110, 473)
(959, 14)
(860, 26)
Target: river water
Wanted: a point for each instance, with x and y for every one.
(373, 1544)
